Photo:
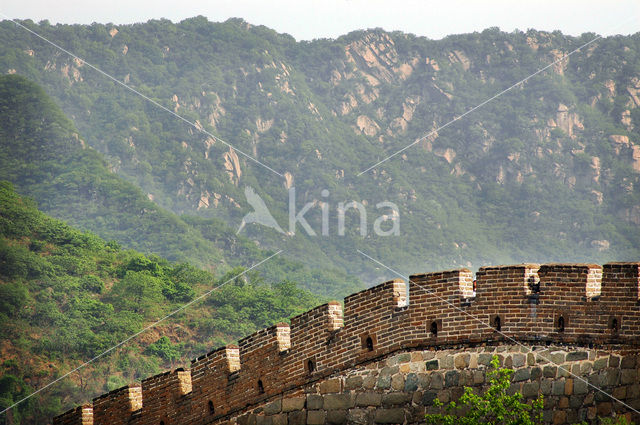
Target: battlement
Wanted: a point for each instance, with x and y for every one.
(530, 303)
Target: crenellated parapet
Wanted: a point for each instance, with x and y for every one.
(578, 304)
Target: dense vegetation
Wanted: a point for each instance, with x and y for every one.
(66, 296)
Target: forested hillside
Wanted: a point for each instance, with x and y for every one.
(45, 157)
(549, 171)
(66, 296)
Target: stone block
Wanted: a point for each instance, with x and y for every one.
(330, 386)
(564, 371)
(452, 378)
(369, 399)
(557, 387)
(536, 373)
(557, 357)
(337, 401)
(397, 381)
(568, 387)
(628, 376)
(411, 383)
(531, 389)
(575, 356)
(404, 358)
(279, 419)
(264, 420)
(559, 417)
(358, 416)
(384, 382)
(395, 399)
(461, 361)
(575, 401)
(337, 417)
(447, 362)
(601, 363)
(518, 360)
(389, 416)
(294, 403)
(437, 382)
(353, 382)
(314, 401)
(485, 359)
(298, 418)
(432, 364)
(614, 361)
(521, 375)
(369, 382)
(428, 398)
(273, 407)
(628, 362)
(316, 417)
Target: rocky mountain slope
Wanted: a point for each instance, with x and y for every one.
(549, 171)
(46, 158)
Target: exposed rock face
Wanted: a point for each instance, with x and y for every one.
(567, 120)
(634, 91)
(367, 126)
(288, 180)
(232, 166)
(459, 57)
(263, 125)
(448, 154)
(635, 158)
(602, 245)
(561, 65)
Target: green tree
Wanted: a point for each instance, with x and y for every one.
(139, 292)
(494, 407)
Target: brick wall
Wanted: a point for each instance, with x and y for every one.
(583, 304)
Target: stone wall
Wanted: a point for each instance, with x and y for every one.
(401, 388)
(581, 305)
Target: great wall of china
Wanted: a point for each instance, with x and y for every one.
(568, 331)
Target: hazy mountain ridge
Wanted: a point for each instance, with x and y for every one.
(553, 163)
(44, 156)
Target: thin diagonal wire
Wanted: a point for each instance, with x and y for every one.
(429, 291)
(480, 105)
(202, 130)
(206, 294)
